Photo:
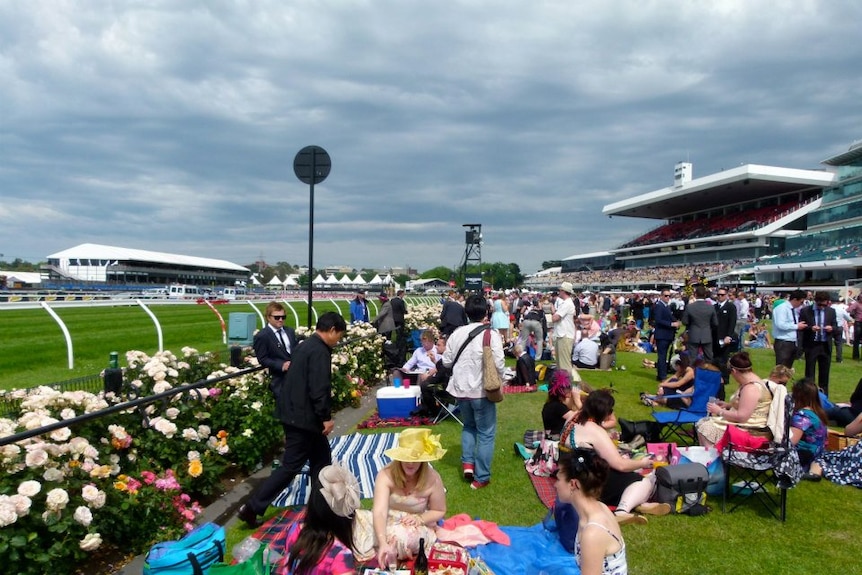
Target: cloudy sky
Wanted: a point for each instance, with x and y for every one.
(172, 125)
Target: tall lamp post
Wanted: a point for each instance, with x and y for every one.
(311, 165)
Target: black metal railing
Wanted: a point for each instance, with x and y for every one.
(140, 402)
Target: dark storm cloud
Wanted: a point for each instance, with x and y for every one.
(172, 126)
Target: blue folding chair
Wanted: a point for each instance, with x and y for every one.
(707, 383)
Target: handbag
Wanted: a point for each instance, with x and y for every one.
(257, 564)
(490, 376)
(194, 554)
(544, 460)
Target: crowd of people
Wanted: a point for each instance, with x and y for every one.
(574, 330)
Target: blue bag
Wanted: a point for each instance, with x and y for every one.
(194, 554)
(563, 520)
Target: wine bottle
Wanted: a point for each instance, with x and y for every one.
(420, 564)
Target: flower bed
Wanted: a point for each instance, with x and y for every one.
(131, 478)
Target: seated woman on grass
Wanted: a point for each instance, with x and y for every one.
(628, 491)
(808, 424)
(321, 541)
(681, 381)
(758, 337)
(843, 467)
(564, 401)
(599, 545)
(409, 499)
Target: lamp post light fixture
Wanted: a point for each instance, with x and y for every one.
(311, 165)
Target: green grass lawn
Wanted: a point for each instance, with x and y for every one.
(33, 350)
(820, 535)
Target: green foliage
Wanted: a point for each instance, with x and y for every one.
(441, 272)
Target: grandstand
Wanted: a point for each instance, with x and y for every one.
(757, 225)
(735, 215)
(828, 251)
(108, 267)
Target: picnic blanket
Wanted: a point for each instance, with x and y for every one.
(373, 421)
(360, 453)
(533, 551)
(545, 489)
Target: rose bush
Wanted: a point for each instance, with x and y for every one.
(131, 478)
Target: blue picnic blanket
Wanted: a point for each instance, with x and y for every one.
(534, 550)
(361, 453)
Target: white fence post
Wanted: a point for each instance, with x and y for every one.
(65, 331)
(155, 321)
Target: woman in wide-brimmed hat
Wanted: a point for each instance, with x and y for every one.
(409, 499)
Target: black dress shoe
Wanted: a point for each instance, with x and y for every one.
(811, 477)
(248, 516)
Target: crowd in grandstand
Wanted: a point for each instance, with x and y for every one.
(671, 275)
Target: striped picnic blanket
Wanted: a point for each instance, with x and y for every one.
(360, 453)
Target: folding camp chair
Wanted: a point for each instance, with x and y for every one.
(448, 405)
(764, 475)
(706, 384)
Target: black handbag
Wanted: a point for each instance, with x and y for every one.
(650, 430)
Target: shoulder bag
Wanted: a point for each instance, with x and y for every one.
(490, 376)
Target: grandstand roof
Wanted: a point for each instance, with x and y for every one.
(101, 252)
(589, 255)
(725, 188)
(844, 158)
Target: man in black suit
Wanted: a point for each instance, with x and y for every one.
(304, 409)
(725, 332)
(452, 316)
(399, 310)
(273, 346)
(664, 333)
(817, 336)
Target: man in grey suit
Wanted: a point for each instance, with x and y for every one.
(700, 321)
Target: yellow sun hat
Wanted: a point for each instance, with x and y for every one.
(416, 445)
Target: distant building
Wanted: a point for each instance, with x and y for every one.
(91, 265)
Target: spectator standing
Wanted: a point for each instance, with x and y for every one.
(273, 345)
(359, 308)
(844, 321)
(817, 336)
(564, 327)
(399, 311)
(452, 316)
(700, 320)
(478, 413)
(305, 411)
(384, 322)
(855, 311)
(725, 334)
(665, 332)
(531, 324)
(785, 328)
(742, 310)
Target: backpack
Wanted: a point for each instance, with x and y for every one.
(194, 554)
(683, 486)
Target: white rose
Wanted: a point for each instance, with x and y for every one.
(53, 474)
(67, 413)
(36, 458)
(84, 516)
(8, 515)
(29, 488)
(194, 455)
(57, 499)
(172, 413)
(190, 434)
(22, 504)
(93, 496)
(90, 542)
(61, 434)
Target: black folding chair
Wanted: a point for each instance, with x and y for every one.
(763, 475)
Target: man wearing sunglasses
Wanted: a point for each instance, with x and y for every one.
(273, 346)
